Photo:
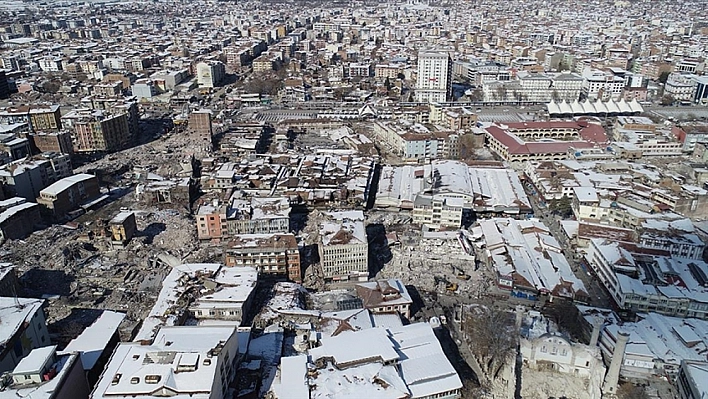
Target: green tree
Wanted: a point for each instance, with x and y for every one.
(562, 207)
(664, 76)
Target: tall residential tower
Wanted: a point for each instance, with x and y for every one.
(434, 84)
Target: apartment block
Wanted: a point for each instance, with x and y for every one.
(200, 123)
(18, 218)
(186, 361)
(436, 213)
(210, 74)
(26, 329)
(57, 142)
(98, 131)
(434, 80)
(274, 255)
(343, 246)
(69, 193)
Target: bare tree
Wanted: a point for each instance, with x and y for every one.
(501, 92)
(492, 337)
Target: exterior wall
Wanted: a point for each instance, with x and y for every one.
(53, 142)
(434, 80)
(21, 224)
(34, 335)
(74, 384)
(268, 261)
(110, 134)
(438, 215)
(70, 199)
(686, 384)
(341, 261)
(43, 121)
(258, 226)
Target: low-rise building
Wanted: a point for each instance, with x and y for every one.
(44, 374)
(395, 361)
(222, 293)
(692, 379)
(527, 259)
(96, 344)
(543, 141)
(18, 218)
(231, 299)
(123, 228)
(385, 296)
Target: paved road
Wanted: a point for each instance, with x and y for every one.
(597, 294)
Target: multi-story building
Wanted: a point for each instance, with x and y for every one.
(26, 329)
(18, 218)
(624, 269)
(68, 193)
(26, 178)
(98, 131)
(417, 141)
(691, 379)
(144, 88)
(40, 118)
(232, 300)
(437, 212)
(210, 73)
(680, 87)
(434, 80)
(254, 216)
(200, 124)
(197, 361)
(274, 255)
(43, 370)
(57, 142)
(343, 246)
(602, 85)
(4, 86)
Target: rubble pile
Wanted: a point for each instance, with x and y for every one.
(81, 270)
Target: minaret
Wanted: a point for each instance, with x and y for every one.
(609, 387)
(597, 323)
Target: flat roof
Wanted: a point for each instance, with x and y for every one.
(65, 183)
(35, 360)
(95, 338)
(14, 312)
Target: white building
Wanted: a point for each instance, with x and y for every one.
(211, 73)
(434, 80)
(680, 87)
(343, 246)
(435, 212)
(644, 284)
(195, 362)
(602, 85)
(23, 327)
(398, 362)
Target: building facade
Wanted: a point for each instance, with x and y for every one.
(434, 80)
